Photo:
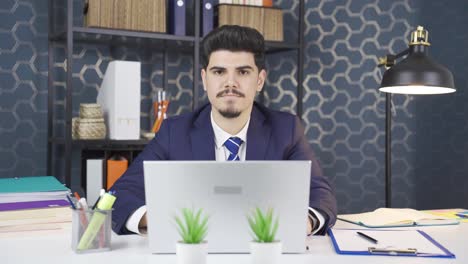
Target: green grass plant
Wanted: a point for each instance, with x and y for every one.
(192, 226)
(263, 225)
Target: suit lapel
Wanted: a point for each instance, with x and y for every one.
(202, 137)
(258, 136)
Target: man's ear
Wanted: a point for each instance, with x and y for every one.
(261, 80)
(203, 76)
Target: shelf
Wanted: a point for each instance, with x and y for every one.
(104, 143)
(133, 34)
(276, 46)
(104, 36)
(128, 37)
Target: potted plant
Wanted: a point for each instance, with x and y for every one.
(264, 248)
(192, 227)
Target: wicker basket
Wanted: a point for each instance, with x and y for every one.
(90, 111)
(88, 128)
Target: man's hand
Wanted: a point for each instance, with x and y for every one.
(143, 224)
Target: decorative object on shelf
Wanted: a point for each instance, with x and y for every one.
(142, 15)
(267, 20)
(193, 228)
(416, 74)
(90, 111)
(90, 124)
(160, 106)
(264, 248)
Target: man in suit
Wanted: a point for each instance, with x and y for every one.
(231, 127)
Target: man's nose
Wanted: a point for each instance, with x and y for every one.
(230, 81)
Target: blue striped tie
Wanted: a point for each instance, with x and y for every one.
(233, 144)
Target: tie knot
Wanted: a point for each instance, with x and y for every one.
(233, 145)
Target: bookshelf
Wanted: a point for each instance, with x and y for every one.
(71, 35)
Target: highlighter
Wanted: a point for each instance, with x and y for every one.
(96, 221)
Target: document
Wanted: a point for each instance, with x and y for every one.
(387, 242)
(454, 213)
(396, 217)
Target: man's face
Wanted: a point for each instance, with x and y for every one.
(231, 81)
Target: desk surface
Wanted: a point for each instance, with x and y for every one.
(49, 248)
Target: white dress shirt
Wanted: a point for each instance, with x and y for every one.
(221, 154)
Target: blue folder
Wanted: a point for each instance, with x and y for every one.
(379, 250)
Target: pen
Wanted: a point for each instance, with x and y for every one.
(373, 240)
(71, 202)
(101, 193)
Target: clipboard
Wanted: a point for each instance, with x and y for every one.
(410, 243)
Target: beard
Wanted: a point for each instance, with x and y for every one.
(230, 112)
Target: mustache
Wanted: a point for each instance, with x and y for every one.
(230, 91)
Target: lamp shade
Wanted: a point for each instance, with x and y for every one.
(417, 74)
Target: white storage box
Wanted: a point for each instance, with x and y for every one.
(119, 97)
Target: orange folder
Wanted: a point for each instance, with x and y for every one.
(115, 169)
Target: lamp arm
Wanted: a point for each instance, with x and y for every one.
(389, 60)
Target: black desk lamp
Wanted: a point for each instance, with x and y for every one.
(415, 74)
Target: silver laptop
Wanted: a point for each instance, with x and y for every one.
(227, 192)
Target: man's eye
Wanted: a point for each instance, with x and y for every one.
(243, 72)
(218, 72)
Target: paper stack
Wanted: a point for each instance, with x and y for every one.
(33, 204)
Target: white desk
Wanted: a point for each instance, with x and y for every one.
(55, 248)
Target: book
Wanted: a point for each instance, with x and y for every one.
(29, 189)
(396, 217)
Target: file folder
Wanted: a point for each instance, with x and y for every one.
(177, 17)
(411, 243)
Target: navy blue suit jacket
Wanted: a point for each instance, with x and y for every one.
(272, 135)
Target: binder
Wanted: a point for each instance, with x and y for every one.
(94, 176)
(177, 17)
(115, 169)
(207, 16)
(410, 243)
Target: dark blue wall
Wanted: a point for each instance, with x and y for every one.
(343, 110)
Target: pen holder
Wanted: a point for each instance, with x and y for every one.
(91, 230)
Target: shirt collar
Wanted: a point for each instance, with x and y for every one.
(221, 136)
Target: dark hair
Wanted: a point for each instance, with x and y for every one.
(234, 38)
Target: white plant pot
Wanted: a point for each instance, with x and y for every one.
(191, 253)
(266, 253)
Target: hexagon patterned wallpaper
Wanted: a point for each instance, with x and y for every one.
(343, 110)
